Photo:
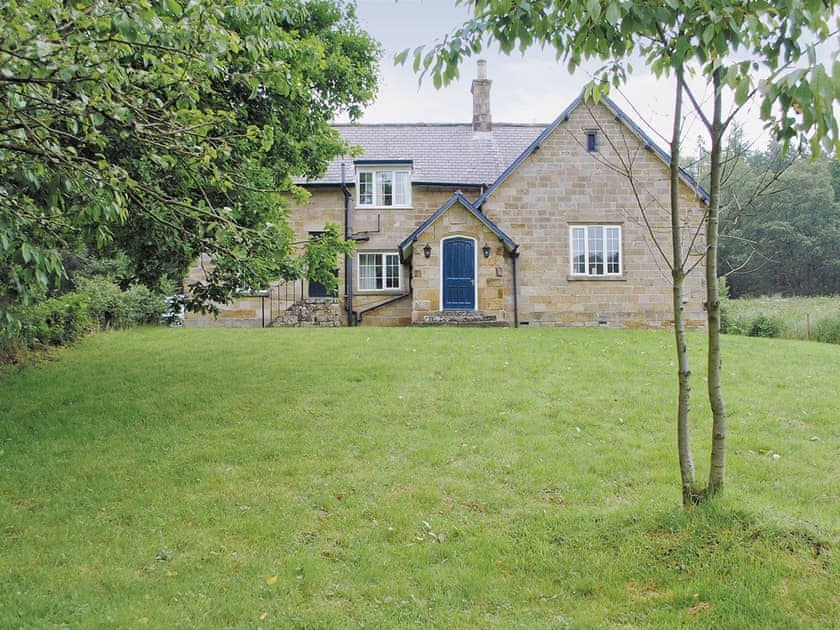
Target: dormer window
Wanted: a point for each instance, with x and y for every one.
(383, 186)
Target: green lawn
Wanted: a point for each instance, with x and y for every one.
(396, 477)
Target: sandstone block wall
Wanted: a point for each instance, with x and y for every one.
(560, 185)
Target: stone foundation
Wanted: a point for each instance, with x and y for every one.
(311, 313)
(461, 318)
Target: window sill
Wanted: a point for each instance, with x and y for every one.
(383, 207)
(576, 278)
(379, 291)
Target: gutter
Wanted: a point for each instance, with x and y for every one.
(515, 291)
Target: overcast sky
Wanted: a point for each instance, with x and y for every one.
(529, 88)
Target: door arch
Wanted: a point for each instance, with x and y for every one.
(458, 285)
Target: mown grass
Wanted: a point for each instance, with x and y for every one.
(799, 317)
(395, 477)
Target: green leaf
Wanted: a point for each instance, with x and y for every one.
(173, 7)
(613, 13)
(742, 91)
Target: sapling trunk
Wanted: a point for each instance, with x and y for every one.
(678, 273)
(717, 471)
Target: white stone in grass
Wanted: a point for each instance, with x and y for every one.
(776, 456)
(814, 438)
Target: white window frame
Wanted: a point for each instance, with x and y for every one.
(382, 265)
(606, 231)
(378, 196)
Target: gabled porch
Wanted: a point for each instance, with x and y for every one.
(462, 269)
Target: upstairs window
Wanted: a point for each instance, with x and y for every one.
(383, 188)
(595, 250)
(592, 141)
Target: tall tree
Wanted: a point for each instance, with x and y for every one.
(167, 129)
(787, 239)
(743, 49)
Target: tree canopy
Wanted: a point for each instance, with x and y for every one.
(786, 239)
(161, 130)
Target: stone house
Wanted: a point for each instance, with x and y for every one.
(495, 224)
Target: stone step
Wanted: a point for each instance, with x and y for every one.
(461, 318)
(472, 324)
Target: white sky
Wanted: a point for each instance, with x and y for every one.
(529, 88)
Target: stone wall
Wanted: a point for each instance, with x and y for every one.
(311, 313)
(245, 312)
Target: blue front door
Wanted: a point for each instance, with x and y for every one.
(459, 274)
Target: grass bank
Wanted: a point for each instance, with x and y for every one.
(813, 318)
(393, 477)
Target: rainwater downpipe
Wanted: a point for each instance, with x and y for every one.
(515, 291)
(348, 260)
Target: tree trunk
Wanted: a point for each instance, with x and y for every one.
(689, 491)
(717, 471)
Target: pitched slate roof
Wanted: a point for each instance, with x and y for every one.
(440, 153)
(507, 241)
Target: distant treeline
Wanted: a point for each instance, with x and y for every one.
(780, 223)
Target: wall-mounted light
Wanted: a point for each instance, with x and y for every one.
(486, 250)
(427, 250)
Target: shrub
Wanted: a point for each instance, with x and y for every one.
(104, 299)
(53, 322)
(766, 326)
(827, 330)
(142, 306)
(728, 324)
(66, 318)
(62, 320)
(112, 308)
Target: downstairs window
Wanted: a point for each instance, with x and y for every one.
(379, 272)
(595, 250)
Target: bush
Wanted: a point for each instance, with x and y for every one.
(766, 326)
(143, 306)
(827, 330)
(112, 308)
(728, 324)
(54, 322)
(62, 320)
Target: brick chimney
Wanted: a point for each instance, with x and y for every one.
(482, 120)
